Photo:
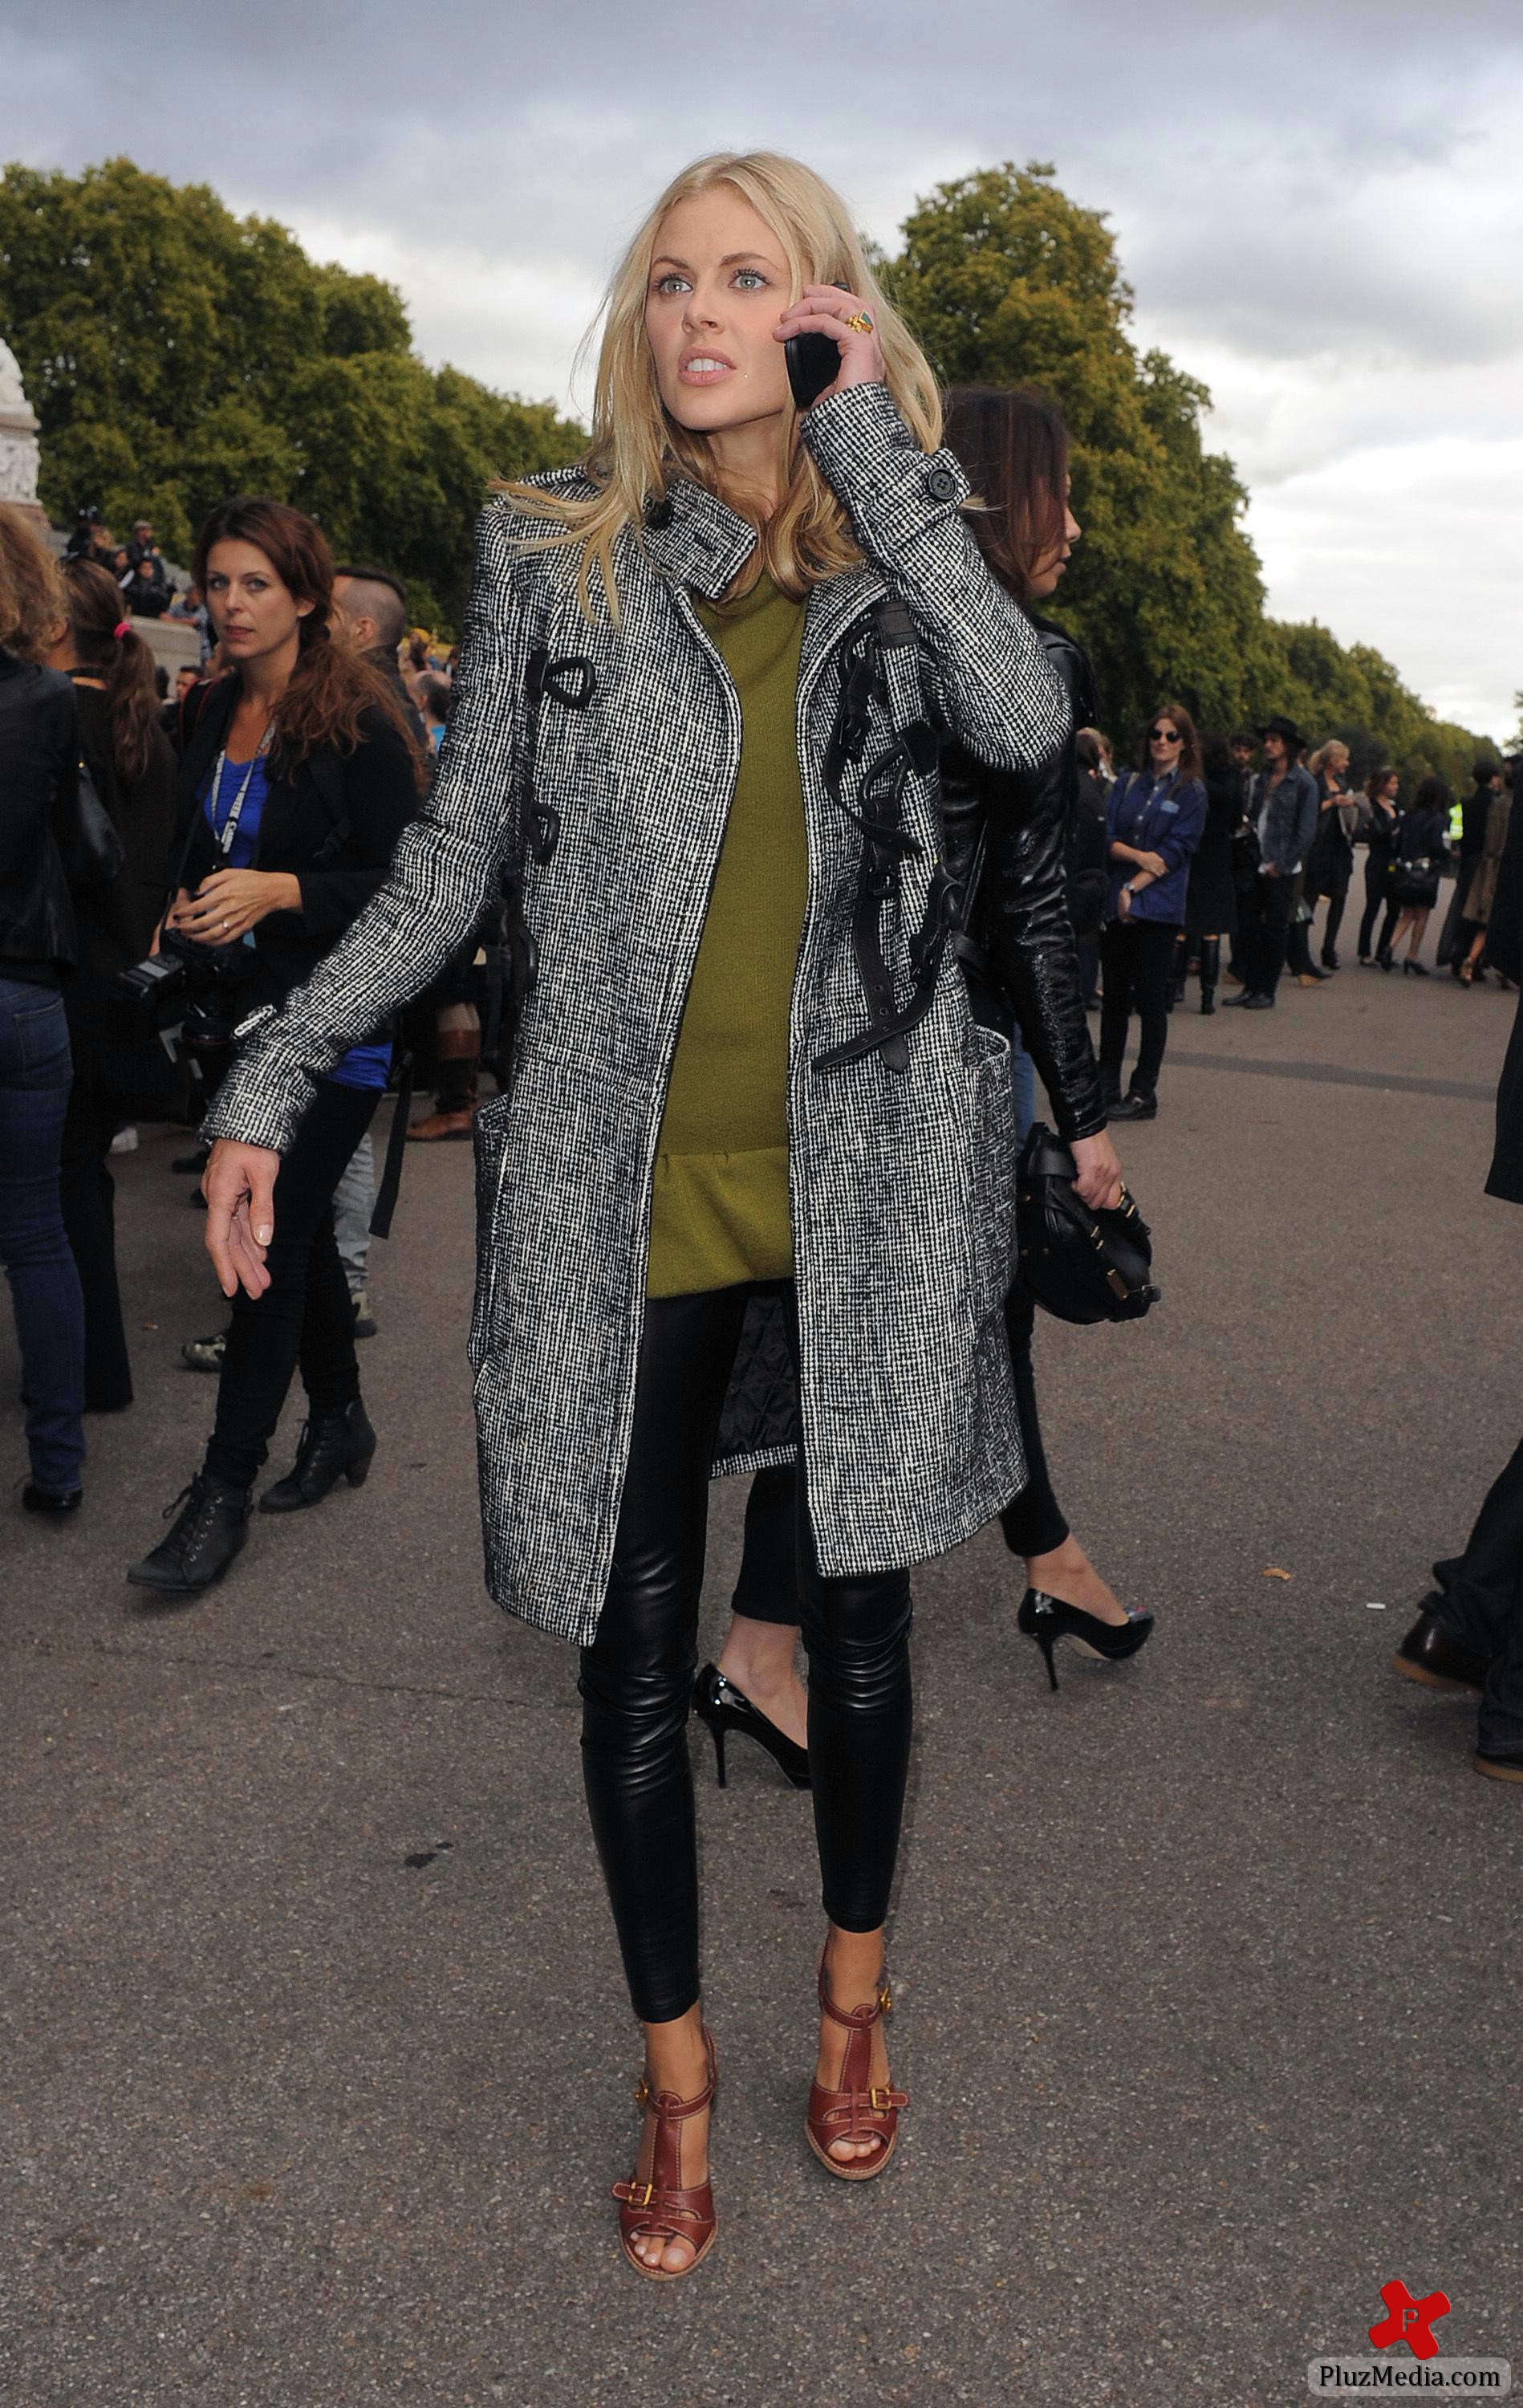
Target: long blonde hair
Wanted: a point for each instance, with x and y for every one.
(1333, 755)
(637, 447)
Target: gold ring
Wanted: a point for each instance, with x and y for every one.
(860, 323)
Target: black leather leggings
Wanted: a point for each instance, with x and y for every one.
(637, 1677)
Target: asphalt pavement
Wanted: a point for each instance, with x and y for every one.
(316, 2061)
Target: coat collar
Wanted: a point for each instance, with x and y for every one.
(695, 540)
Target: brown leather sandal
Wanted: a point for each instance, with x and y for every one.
(661, 2204)
(860, 2109)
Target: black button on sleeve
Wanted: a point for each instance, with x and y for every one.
(942, 484)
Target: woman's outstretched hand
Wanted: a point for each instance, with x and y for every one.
(238, 1183)
(1099, 1181)
(824, 309)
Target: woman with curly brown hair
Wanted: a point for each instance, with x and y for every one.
(297, 779)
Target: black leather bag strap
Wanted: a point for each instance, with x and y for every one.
(396, 1146)
(887, 670)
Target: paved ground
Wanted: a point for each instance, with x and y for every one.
(315, 2068)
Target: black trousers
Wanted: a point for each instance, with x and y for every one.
(306, 1315)
(637, 1677)
(1483, 1606)
(87, 1193)
(1333, 883)
(1378, 893)
(1136, 960)
(1266, 930)
(1032, 1523)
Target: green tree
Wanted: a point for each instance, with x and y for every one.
(176, 353)
(1005, 280)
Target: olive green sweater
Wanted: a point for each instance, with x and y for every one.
(718, 1204)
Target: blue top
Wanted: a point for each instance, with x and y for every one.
(363, 1066)
(1161, 815)
(1286, 816)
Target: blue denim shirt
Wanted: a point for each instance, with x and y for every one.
(1161, 815)
(1286, 816)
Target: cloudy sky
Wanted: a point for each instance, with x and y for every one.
(1319, 205)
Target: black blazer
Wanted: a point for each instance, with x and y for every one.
(331, 820)
(116, 923)
(1504, 952)
(39, 755)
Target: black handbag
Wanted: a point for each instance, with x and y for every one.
(93, 852)
(1080, 1264)
(1415, 884)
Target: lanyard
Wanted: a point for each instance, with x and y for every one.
(226, 834)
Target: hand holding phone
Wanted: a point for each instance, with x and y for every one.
(817, 359)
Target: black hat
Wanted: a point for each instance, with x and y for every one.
(1286, 730)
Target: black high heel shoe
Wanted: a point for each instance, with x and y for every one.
(1047, 1619)
(718, 1703)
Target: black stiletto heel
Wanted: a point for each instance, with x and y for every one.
(723, 1708)
(1047, 1619)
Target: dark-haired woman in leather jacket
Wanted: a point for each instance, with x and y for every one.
(1007, 850)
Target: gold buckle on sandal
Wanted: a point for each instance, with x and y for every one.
(885, 2001)
(634, 2188)
(642, 2091)
(881, 2099)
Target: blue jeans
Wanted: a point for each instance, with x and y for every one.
(36, 1073)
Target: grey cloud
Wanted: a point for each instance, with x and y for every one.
(495, 160)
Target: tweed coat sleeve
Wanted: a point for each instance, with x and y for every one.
(446, 861)
(989, 674)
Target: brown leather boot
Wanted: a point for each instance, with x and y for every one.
(1429, 1654)
(438, 1126)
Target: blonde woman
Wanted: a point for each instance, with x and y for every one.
(749, 1193)
(1329, 864)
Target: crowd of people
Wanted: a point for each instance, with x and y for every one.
(299, 873)
(1239, 841)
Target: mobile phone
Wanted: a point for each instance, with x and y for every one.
(813, 362)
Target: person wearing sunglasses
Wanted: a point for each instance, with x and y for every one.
(1153, 823)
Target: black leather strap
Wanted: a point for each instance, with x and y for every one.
(872, 673)
(391, 1179)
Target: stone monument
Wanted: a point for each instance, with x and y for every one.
(19, 452)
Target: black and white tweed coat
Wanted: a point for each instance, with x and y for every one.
(902, 1184)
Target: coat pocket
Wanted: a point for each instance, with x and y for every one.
(489, 1141)
(992, 1169)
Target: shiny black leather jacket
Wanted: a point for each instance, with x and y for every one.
(1005, 849)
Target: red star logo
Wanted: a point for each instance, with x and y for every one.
(1410, 2320)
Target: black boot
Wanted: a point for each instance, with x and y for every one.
(334, 1447)
(1178, 973)
(1210, 972)
(209, 1532)
(1138, 1106)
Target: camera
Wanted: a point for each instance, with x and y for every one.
(197, 988)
